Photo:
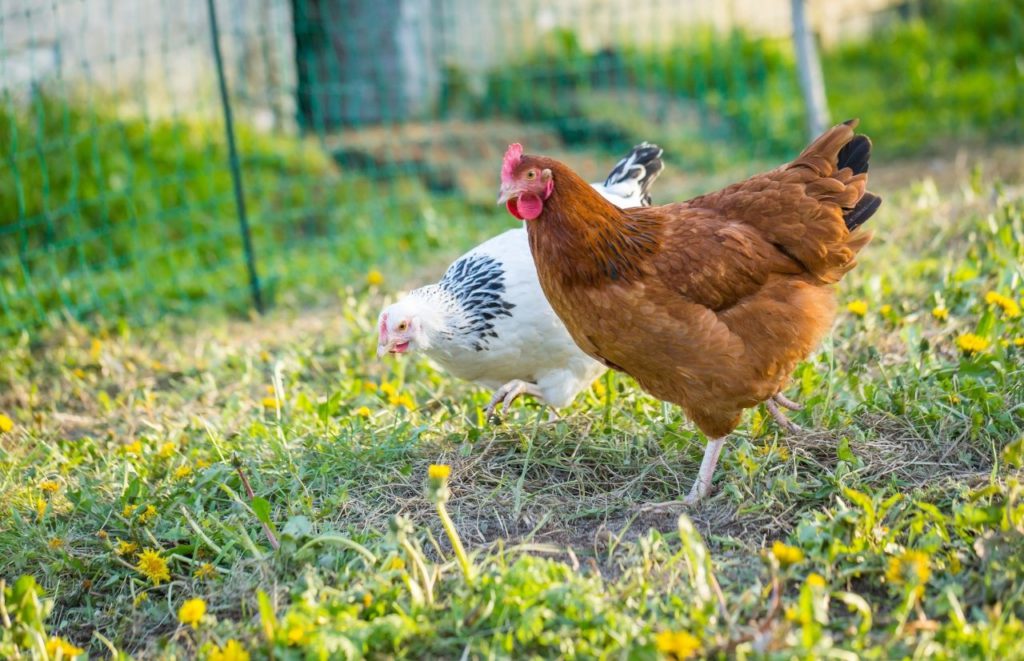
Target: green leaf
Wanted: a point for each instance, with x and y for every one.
(262, 508)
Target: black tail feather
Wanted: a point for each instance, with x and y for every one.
(642, 164)
(866, 207)
(855, 154)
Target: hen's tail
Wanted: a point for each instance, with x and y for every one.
(855, 155)
(631, 178)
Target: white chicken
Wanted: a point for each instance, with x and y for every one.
(487, 320)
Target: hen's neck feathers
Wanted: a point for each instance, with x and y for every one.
(586, 239)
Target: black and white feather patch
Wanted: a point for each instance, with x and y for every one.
(477, 283)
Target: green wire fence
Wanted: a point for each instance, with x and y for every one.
(161, 155)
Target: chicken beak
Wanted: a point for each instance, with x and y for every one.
(506, 193)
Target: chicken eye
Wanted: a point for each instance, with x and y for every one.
(531, 174)
(402, 326)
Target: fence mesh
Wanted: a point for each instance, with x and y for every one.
(370, 132)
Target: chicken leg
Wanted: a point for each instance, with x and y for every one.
(508, 393)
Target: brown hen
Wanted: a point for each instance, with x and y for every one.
(709, 303)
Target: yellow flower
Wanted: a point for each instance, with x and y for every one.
(153, 567)
(369, 386)
(374, 278)
(269, 402)
(296, 630)
(6, 424)
(95, 349)
(1018, 341)
(677, 644)
(912, 568)
(206, 570)
(1009, 306)
(125, 548)
(439, 471)
(885, 310)
(971, 343)
(102, 534)
(191, 612)
(367, 600)
(858, 307)
(181, 472)
(166, 450)
(148, 515)
(396, 564)
(816, 581)
(139, 598)
(202, 463)
(135, 447)
(388, 389)
(786, 554)
(232, 651)
(402, 400)
(79, 372)
(49, 486)
(55, 543)
(128, 510)
(40, 508)
(940, 312)
(57, 645)
(363, 412)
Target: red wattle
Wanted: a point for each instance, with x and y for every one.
(513, 208)
(529, 206)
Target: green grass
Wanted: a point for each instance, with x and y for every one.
(900, 508)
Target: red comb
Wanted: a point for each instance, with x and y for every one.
(511, 161)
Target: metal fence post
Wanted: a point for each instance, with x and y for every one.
(236, 170)
(809, 64)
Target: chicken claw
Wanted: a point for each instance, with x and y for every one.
(782, 400)
(779, 416)
(508, 393)
(701, 485)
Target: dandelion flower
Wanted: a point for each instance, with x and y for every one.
(57, 645)
(40, 508)
(367, 600)
(148, 515)
(940, 312)
(858, 307)
(181, 472)
(677, 644)
(439, 471)
(816, 581)
(786, 554)
(49, 486)
(153, 567)
(396, 564)
(269, 402)
(363, 412)
(139, 598)
(911, 568)
(369, 386)
(125, 548)
(885, 310)
(296, 630)
(191, 612)
(128, 510)
(6, 424)
(55, 543)
(166, 450)
(1018, 341)
(1008, 305)
(102, 534)
(402, 400)
(971, 343)
(206, 570)
(374, 278)
(135, 447)
(232, 651)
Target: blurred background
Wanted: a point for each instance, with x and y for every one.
(369, 133)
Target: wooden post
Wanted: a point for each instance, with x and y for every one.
(812, 82)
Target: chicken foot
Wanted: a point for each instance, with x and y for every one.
(508, 393)
(701, 485)
(773, 407)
